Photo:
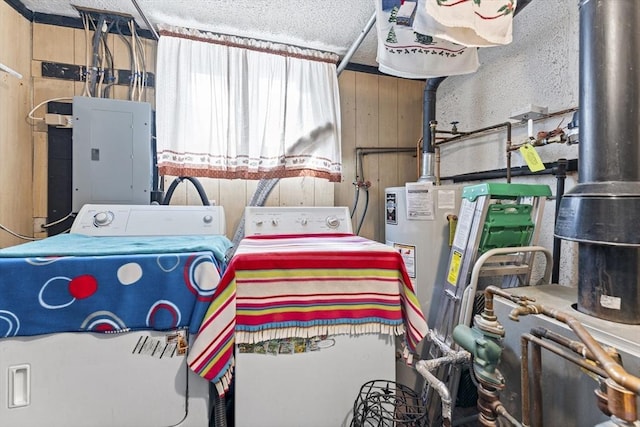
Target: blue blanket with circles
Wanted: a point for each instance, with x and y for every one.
(74, 283)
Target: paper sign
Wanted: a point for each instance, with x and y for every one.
(420, 203)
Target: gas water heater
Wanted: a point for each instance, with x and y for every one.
(420, 222)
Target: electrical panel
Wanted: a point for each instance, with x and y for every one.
(112, 152)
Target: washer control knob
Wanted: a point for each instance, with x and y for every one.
(333, 221)
(304, 221)
(102, 219)
(274, 222)
(208, 219)
(259, 222)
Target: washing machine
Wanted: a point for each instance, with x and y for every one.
(305, 378)
(109, 370)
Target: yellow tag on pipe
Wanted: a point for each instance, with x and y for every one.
(531, 157)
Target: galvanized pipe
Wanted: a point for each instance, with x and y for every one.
(356, 44)
(146, 21)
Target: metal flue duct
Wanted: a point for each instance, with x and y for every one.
(601, 212)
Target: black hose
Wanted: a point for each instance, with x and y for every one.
(219, 414)
(364, 212)
(203, 195)
(356, 197)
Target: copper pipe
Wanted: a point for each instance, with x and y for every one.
(524, 375)
(465, 135)
(613, 369)
(524, 381)
(490, 407)
(573, 345)
(509, 144)
(418, 152)
(536, 361)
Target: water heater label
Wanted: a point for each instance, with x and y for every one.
(446, 199)
(608, 301)
(420, 201)
(408, 253)
(454, 267)
(392, 209)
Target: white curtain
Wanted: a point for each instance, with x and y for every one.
(228, 107)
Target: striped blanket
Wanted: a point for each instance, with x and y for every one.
(304, 286)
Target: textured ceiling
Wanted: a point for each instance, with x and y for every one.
(329, 25)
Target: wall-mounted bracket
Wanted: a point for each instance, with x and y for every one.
(529, 112)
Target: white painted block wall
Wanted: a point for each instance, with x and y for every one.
(539, 67)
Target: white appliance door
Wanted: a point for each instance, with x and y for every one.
(97, 380)
(311, 389)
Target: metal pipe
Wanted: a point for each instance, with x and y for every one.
(363, 151)
(437, 160)
(573, 345)
(464, 135)
(474, 132)
(612, 368)
(146, 21)
(436, 150)
(509, 149)
(418, 150)
(524, 381)
(428, 116)
(598, 212)
(536, 361)
(467, 308)
(501, 411)
(440, 387)
(429, 109)
(524, 376)
(576, 360)
(609, 91)
(561, 175)
(502, 173)
(456, 357)
(356, 44)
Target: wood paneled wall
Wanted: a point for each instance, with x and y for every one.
(16, 145)
(377, 111)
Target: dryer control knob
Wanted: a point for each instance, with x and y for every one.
(102, 219)
(333, 222)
